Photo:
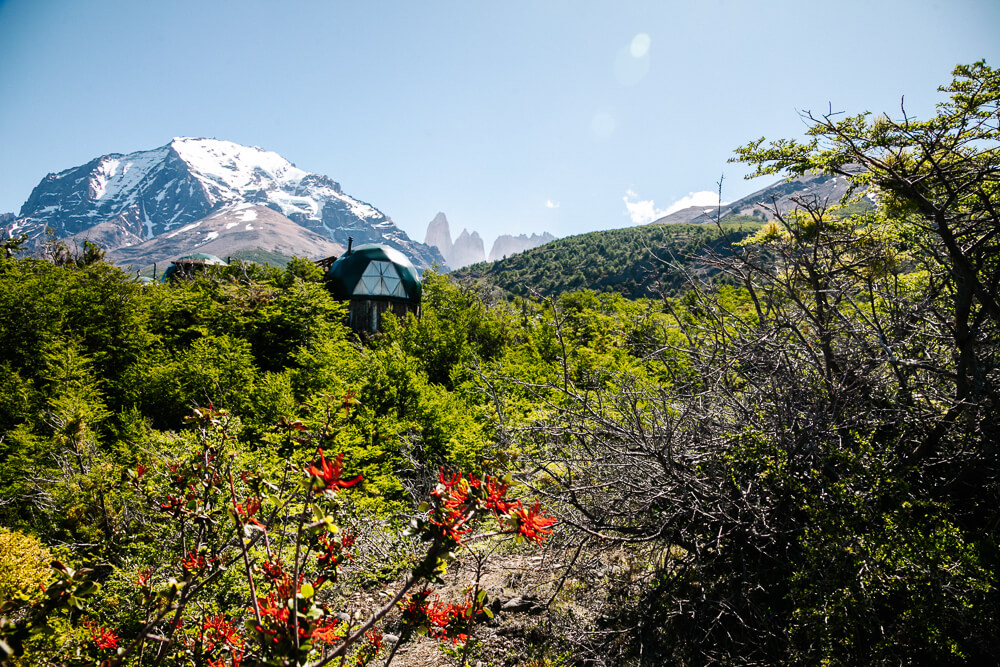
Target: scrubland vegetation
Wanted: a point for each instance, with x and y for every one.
(793, 459)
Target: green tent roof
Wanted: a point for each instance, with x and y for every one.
(374, 271)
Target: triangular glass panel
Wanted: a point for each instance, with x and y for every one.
(380, 279)
(374, 268)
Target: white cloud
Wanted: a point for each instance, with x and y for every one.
(702, 198)
(551, 204)
(643, 211)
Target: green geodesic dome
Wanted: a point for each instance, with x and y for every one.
(374, 271)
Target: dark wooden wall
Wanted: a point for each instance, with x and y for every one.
(365, 315)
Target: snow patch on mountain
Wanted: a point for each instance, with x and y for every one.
(115, 174)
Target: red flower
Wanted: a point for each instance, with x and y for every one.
(374, 638)
(414, 607)
(329, 474)
(274, 615)
(451, 527)
(439, 613)
(370, 649)
(451, 490)
(443, 620)
(173, 503)
(221, 661)
(103, 638)
(273, 570)
(218, 631)
(193, 563)
(332, 553)
(327, 634)
(452, 512)
(286, 587)
(106, 640)
(143, 577)
(531, 525)
(496, 492)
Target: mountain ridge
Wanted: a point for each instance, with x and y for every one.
(129, 200)
(762, 203)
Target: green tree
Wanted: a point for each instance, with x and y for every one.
(940, 176)
(817, 483)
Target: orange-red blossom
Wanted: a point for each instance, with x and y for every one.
(220, 631)
(440, 618)
(531, 525)
(329, 474)
(456, 495)
(102, 636)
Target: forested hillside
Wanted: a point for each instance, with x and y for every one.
(789, 457)
(636, 262)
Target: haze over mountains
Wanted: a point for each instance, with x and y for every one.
(468, 247)
(207, 195)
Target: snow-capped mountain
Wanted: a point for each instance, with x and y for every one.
(127, 201)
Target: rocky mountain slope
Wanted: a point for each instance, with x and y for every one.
(761, 204)
(468, 249)
(228, 231)
(439, 235)
(150, 205)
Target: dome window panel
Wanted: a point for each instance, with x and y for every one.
(380, 279)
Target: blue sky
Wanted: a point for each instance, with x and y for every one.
(564, 116)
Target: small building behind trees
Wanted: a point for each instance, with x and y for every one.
(374, 278)
(188, 265)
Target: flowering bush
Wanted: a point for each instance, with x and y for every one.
(278, 537)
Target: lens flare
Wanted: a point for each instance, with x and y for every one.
(632, 61)
(640, 45)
